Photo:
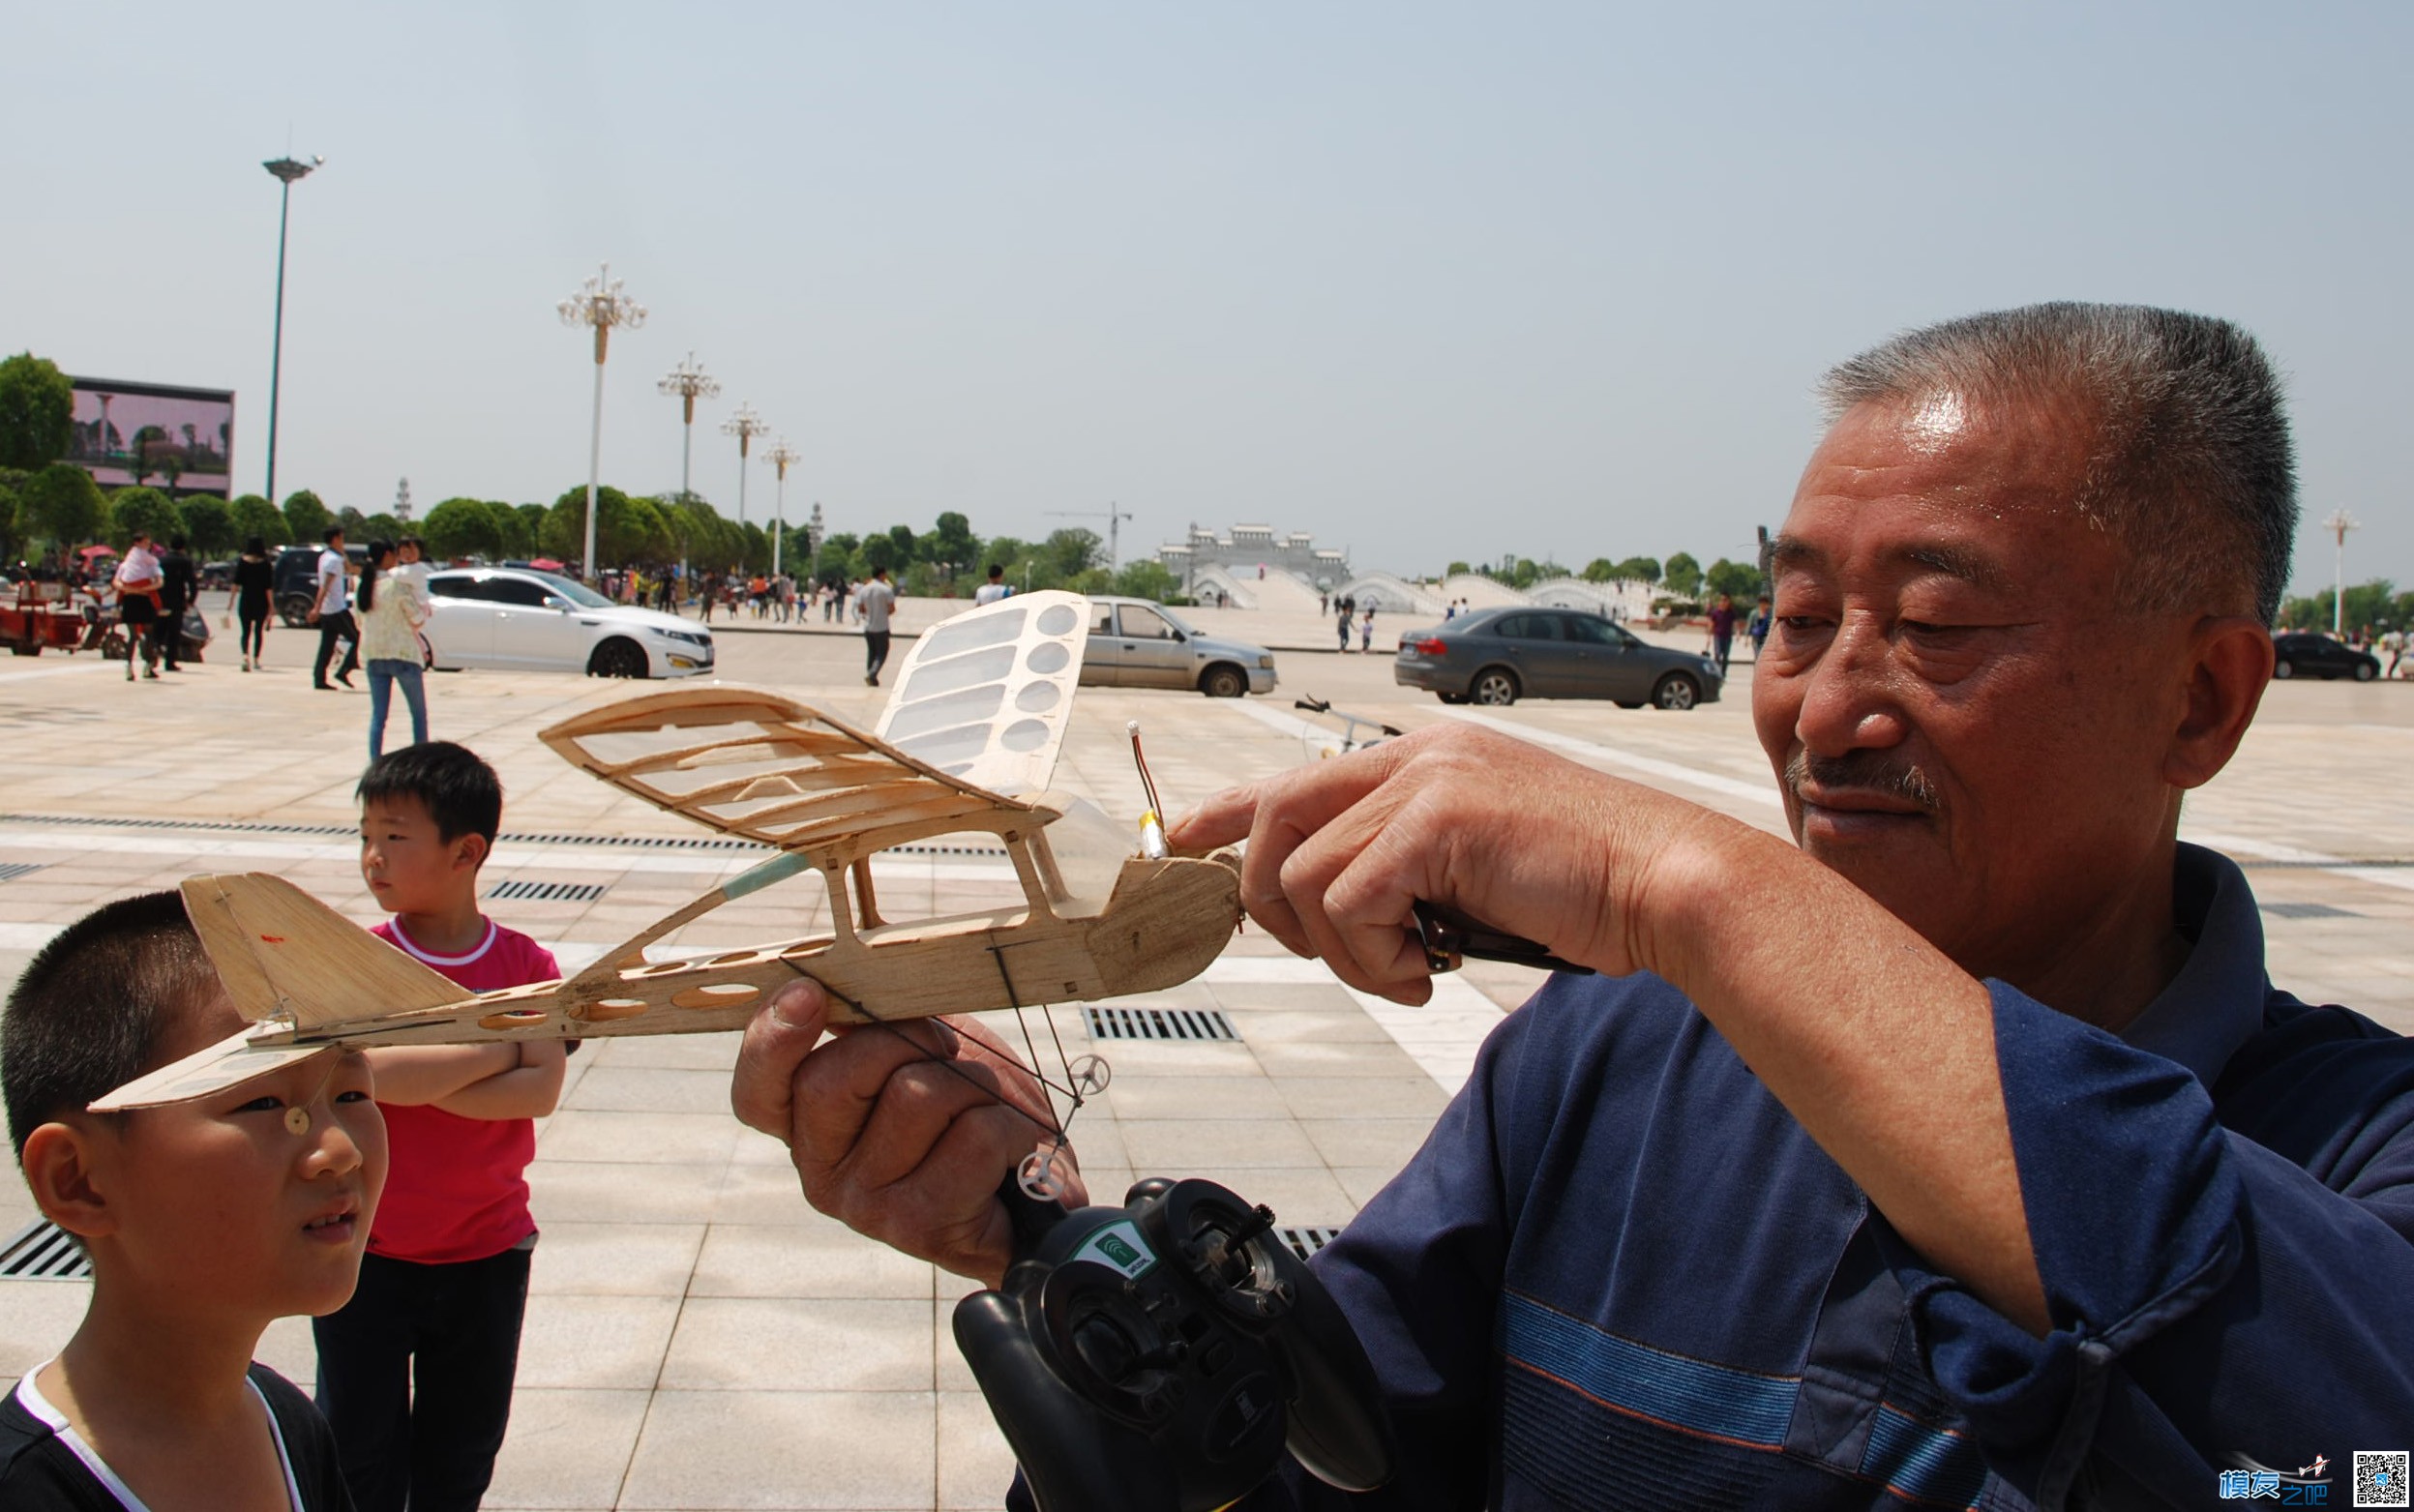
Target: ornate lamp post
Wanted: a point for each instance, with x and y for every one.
(745, 425)
(2338, 524)
(287, 171)
(598, 303)
(780, 456)
(690, 382)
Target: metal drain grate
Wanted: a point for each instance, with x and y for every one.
(1114, 1023)
(1305, 1241)
(2309, 910)
(508, 837)
(10, 871)
(548, 892)
(43, 1251)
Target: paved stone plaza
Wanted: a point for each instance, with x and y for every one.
(696, 1336)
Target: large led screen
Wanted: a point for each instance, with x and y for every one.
(150, 433)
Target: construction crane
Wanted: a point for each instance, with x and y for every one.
(1114, 518)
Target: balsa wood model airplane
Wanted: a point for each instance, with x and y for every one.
(967, 744)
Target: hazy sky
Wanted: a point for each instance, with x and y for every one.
(1429, 281)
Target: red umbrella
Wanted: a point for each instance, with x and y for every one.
(90, 551)
(546, 564)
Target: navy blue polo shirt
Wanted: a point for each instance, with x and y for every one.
(1619, 1274)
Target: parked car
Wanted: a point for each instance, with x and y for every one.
(533, 621)
(296, 583)
(1499, 656)
(1135, 643)
(2302, 653)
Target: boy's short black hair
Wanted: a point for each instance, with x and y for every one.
(453, 782)
(329, 534)
(90, 1014)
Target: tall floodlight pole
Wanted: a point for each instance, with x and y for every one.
(287, 171)
(690, 382)
(2338, 524)
(745, 425)
(780, 457)
(599, 303)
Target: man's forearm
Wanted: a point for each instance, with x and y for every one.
(1878, 1044)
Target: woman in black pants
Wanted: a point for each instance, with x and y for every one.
(255, 577)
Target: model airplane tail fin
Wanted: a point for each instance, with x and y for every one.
(284, 954)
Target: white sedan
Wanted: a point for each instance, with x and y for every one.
(517, 618)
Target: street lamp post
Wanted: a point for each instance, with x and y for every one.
(745, 425)
(598, 303)
(287, 171)
(780, 457)
(690, 382)
(2338, 524)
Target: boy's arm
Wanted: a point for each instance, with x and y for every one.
(411, 1075)
(527, 1089)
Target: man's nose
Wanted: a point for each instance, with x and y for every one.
(1850, 698)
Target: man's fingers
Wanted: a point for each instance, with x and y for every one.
(776, 1043)
(1222, 821)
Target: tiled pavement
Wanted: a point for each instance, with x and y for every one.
(700, 1338)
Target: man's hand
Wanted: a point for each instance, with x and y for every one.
(1499, 829)
(885, 1137)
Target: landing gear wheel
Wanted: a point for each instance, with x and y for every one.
(1675, 691)
(1091, 1076)
(1494, 690)
(1043, 1175)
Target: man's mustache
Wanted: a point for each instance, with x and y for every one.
(1861, 771)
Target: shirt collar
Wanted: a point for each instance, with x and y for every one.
(2216, 1003)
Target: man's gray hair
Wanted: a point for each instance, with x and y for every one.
(2192, 467)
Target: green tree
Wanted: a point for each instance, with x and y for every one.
(902, 537)
(142, 509)
(61, 504)
(355, 524)
(383, 527)
(528, 535)
(463, 528)
(36, 412)
(1065, 555)
(952, 547)
(1148, 579)
(2375, 602)
(1599, 570)
(877, 552)
(1457, 570)
(1682, 576)
(255, 515)
(306, 517)
(12, 533)
(1644, 570)
(1739, 581)
(210, 522)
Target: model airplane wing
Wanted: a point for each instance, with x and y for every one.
(754, 764)
(985, 696)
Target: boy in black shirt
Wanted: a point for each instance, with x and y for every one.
(204, 1219)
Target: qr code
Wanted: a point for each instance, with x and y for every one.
(2380, 1478)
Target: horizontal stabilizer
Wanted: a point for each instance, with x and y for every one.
(283, 953)
(231, 1062)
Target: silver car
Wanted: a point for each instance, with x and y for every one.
(1135, 643)
(1499, 656)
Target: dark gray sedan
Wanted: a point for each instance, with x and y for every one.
(1499, 656)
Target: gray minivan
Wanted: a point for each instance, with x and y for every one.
(1135, 643)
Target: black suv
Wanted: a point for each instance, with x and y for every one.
(297, 579)
(2303, 654)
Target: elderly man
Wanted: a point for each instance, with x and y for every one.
(1962, 1156)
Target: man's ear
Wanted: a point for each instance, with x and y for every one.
(58, 1165)
(2230, 665)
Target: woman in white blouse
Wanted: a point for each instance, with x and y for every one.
(392, 609)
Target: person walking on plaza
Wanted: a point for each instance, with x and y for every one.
(331, 610)
(176, 585)
(1366, 631)
(256, 578)
(137, 584)
(1722, 631)
(392, 609)
(993, 589)
(1758, 629)
(873, 602)
(1345, 618)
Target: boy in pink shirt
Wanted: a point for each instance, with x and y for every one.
(415, 1371)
